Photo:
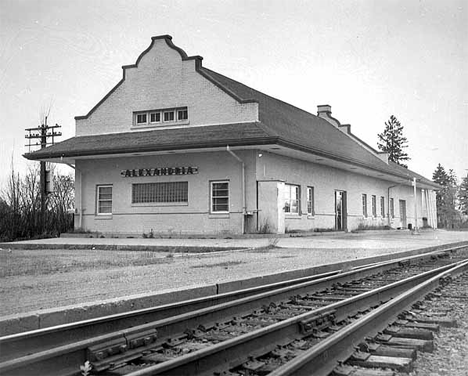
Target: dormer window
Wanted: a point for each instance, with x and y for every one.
(162, 117)
(169, 116)
(141, 118)
(155, 117)
(182, 114)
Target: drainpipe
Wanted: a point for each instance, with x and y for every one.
(80, 209)
(228, 149)
(388, 202)
(416, 229)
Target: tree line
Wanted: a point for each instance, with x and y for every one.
(451, 199)
(20, 206)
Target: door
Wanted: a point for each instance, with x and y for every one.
(403, 214)
(340, 211)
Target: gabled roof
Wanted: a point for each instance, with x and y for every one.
(279, 123)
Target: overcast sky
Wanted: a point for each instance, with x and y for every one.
(367, 59)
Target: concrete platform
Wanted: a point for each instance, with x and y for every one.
(292, 257)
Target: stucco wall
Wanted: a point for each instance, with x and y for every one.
(326, 181)
(162, 80)
(193, 217)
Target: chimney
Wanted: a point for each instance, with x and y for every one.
(324, 112)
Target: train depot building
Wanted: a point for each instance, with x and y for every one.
(176, 148)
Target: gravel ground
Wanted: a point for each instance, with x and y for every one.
(33, 280)
(450, 357)
(77, 277)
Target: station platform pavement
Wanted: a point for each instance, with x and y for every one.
(364, 239)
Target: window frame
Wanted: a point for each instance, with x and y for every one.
(181, 190)
(298, 199)
(168, 112)
(162, 113)
(382, 206)
(155, 113)
(392, 207)
(99, 200)
(183, 111)
(374, 206)
(145, 114)
(310, 201)
(364, 204)
(212, 197)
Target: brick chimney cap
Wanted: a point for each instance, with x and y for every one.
(323, 108)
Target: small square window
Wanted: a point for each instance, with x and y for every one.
(155, 117)
(169, 116)
(182, 115)
(142, 118)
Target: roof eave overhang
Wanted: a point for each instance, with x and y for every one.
(265, 143)
(123, 151)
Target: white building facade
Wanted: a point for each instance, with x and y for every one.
(175, 148)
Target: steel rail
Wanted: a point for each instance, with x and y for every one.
(20, 344)
(43, 339)
(61, 356)
(320, 360)
(236, 351)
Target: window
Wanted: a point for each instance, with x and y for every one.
(364, 205)
(142, 118)
(165, 115)
(182, 114)
(155, 117)
(382, 206)
(310, 201)
(160, 192)
(168, 116)
(220, 197)
(104, 199)
(292, 199)
(374, 206)
(392, 208)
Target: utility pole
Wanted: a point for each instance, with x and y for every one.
(42, 133)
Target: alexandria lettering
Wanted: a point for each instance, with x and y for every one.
(159, 171)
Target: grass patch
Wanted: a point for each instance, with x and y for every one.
(220, 265)
(24, 263)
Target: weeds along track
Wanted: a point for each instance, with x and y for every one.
(294, 327)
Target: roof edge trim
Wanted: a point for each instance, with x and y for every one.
(222, 87)
(123, 151)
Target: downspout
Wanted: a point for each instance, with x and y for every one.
(80, 209)
(416, 229)
(228, 149)
(388, 204)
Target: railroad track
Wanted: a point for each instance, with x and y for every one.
(295, 327)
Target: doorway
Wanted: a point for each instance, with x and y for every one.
(340, 211)
(403, 214)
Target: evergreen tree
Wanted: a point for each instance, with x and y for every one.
(447, 214)
(392, 141)
(463, 196)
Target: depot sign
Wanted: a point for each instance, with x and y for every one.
(158, 171)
